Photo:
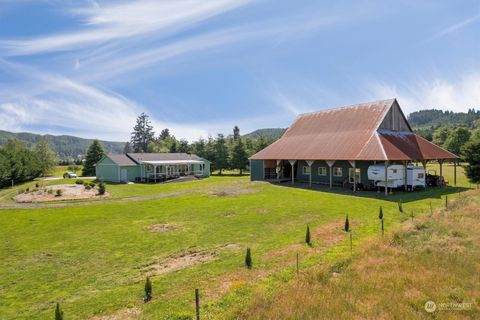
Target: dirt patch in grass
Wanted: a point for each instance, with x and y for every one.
(124, 314)
(230, 247)
(231, 191)
(179, 262)
(162, 227)
(49, 193)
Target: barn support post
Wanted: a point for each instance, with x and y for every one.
(330, 165)
(440, 162)
(292, 163)
(455, 173)
(278, 169)
(405, 175)
(310, 162)
(386, 178)
(354, 166)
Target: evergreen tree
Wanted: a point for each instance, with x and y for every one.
(164, 134)
(380, 213)
(18, 163)
(46, 156)
(456, 140)
(236, 133)
(198, 148)
(183, 146)
(307, 236)
(347, 224)
(239, 156)
(440, 136)
(248, 259)
(127, 148)
(471, 154)
(221, 153)
(142, 134)
(58, 312)
(148, 290)
(95, 153)
(400, 206)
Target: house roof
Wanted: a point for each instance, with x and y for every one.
(155, 157)
(133, 159)
(122, 160)
(350, 133)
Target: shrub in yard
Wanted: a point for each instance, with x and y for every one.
(79, 181)
(59, 192)
(27, 190)
(347, 224)
(50, 191)
(400, 207)
(380, 214)
(87, 187)
(148, 290)
(101, 188)
(307, 236)
(37, 185)
(248, 259)
(92, 184)
(58, 312)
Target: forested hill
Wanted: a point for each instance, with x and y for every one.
(66, 146)
(435, 118)
(269, 134)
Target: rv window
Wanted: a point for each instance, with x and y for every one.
(322, 171)
(394, 170)
(337, 172)
(420, 176)
(306, 170)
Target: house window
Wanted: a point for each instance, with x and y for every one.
(420, 176)
(322, 171)
(350, 175)
(337, 172)
(306, 170)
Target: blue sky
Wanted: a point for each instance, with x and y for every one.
(88, 68)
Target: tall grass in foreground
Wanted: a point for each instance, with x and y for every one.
(432, 258)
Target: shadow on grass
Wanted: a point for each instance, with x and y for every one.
(395, 196)
(229, 175)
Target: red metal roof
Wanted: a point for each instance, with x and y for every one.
(350, 133)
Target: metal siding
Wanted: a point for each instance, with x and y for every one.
(256, 170)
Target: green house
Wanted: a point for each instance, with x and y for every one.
(151, 167)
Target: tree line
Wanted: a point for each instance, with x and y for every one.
(224, 152)
(18, 163)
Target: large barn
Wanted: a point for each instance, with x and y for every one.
(335, 147)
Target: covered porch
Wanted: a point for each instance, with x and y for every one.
(159, 171)
(340, 173)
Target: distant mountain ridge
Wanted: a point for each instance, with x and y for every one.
(267, 133)
(434, 117)
(66, 146)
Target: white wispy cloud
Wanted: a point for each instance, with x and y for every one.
(457, 94)
(115, 21)
(455, 27)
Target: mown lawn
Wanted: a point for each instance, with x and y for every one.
(93, 259)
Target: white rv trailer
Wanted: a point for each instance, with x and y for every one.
(396, 176)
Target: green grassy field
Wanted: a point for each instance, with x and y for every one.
(93, 258)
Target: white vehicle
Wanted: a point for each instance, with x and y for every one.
(396, 176)
(69, 175)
